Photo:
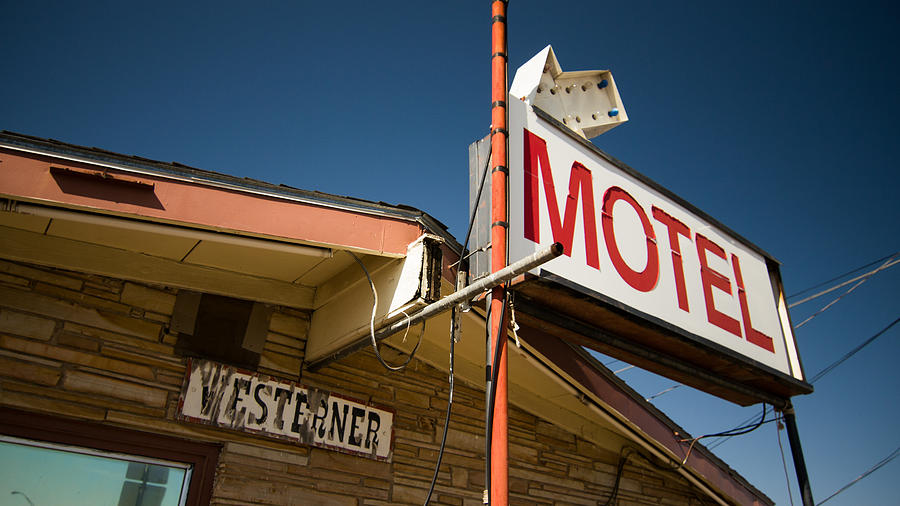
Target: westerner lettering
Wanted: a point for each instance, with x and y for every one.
(223, 396)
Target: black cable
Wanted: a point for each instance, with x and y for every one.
(741, 430)
(852, 352)
(440, 457)
(619, 472)
(453, 330)
(738, 431)
(746, 423)
(672, 468)
(883, 462)
(484, 174)
(489, 416)
(493, 393)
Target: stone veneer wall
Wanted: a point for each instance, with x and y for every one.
(94, 348)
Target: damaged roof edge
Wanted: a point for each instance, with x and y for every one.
(177, 171)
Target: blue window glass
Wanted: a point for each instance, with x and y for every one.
(40, 474)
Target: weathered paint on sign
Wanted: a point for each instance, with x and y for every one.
(224, 396)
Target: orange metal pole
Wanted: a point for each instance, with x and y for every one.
(499, 471)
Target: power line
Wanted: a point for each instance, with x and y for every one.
(854, 287)
(821, 373)
(890, 263)
(852, 352)
(778, 428)
(815, 378)
(883, 462)
(737, 431)
(870, 264)
(657, 394)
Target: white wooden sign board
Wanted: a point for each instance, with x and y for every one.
(635, 244)
(224, 396)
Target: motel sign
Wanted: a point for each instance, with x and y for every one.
(630, 243)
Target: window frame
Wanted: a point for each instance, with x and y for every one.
(202, 457)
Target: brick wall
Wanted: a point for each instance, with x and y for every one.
(95, 348)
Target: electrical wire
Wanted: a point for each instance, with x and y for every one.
(474, 212)
(623, 458)
(862, 279)
(493, 390)
(827, 369)
(778, 428)
(815, 378)
(870, 264)
(627, 367)
(742, 424)
(454, 330)
(852, 352)
(737, 431)
(883, 462)
(657, 394)
(372, 324)
(890, 263)
(670, 468)
(440, 457)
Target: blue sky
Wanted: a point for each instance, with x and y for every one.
(778, 119)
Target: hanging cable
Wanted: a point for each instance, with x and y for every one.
(372, 324)
(883, 462)
(724, 439)
(454, 330)
(778, 429)
(437, 467)
(844, 275)
(493, 389)
(623, 458)
(738, 431)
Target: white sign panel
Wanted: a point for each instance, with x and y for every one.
(637, 245)
(223, 396)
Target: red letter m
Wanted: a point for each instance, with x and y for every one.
(563, 230)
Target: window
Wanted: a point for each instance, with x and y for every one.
(50, 460)
(47, 473)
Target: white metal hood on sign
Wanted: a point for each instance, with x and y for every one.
(586, 101)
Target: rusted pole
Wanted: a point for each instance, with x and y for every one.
(499, 473)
